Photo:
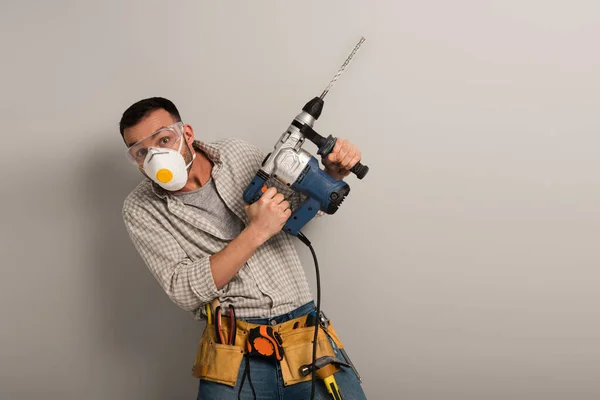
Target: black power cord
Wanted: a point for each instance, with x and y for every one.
(305, 240)
(246, 372)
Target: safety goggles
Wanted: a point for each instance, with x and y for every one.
(168, 137)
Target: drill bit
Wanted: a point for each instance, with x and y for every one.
(342, 68)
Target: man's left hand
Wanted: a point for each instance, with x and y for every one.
(342, 158)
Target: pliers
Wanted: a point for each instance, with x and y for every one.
(232, 326)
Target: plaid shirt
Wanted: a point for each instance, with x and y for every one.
(175, 242)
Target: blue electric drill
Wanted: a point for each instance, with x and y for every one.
(299, 170)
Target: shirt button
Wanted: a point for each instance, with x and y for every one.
(273, 322)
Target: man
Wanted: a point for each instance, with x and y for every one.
(204, 245)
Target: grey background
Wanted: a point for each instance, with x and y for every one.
(472, 243)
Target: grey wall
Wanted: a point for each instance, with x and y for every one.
(472, 242)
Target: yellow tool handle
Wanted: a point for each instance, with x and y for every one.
(208, 314)
(332, 387)
(210, 307)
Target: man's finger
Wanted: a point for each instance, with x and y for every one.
(268, 194)
(334, 155)
(338, 145)
(351, 159)
(341, 155)
(278, 198)
(331, 157)
(347, 159)
(354, 161)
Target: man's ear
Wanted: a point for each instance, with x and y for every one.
(188, 132)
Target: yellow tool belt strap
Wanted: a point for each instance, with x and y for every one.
(221, 362)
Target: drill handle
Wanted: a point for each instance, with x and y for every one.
(301, 216)
(256, 188)
(359, 170)
(325, 145)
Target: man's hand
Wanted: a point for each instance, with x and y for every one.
(342, 158)
(268, 215)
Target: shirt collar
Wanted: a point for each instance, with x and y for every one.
(211, 152)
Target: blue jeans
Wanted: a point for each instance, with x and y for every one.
(267, 379)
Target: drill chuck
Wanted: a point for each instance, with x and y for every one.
(314, 107)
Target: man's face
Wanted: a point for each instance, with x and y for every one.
(153, 122)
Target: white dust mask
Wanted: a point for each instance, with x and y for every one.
(167, 167)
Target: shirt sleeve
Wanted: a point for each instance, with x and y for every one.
(189, 284)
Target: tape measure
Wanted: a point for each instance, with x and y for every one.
(264, 342)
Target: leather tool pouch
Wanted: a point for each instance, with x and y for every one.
(218, 362)
(221, 362)
(298, 348)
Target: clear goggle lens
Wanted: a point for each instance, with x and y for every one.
(166, 138)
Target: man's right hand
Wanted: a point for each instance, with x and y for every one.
(269, 214)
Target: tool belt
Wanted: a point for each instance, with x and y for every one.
(221, 362)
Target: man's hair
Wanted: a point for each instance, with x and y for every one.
(138, 111)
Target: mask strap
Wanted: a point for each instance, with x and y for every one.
(190, 163)
(181, 140)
